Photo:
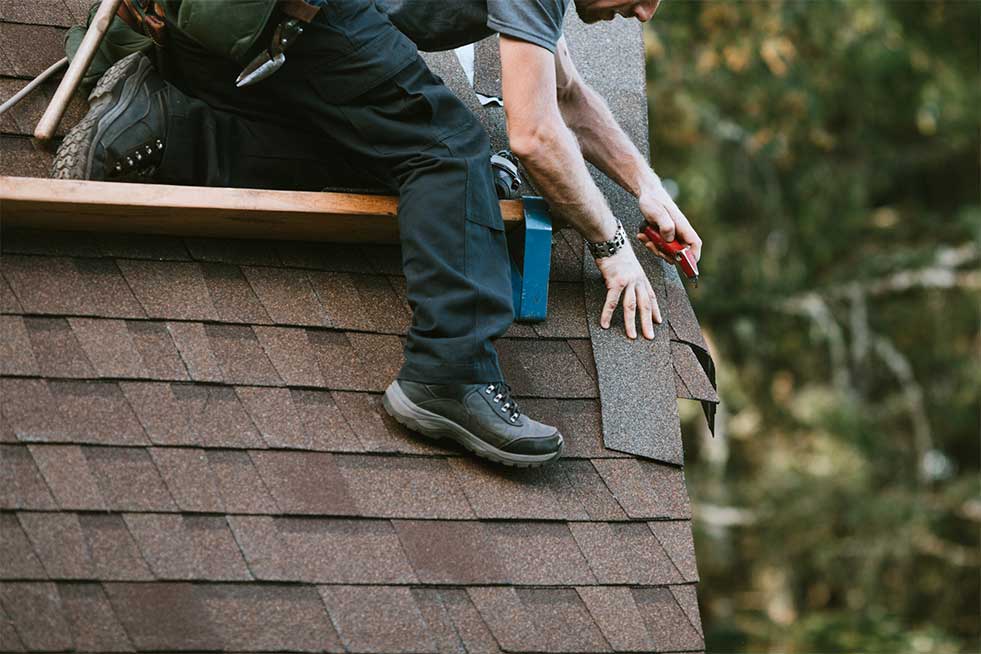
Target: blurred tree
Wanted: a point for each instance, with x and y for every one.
(827, 152)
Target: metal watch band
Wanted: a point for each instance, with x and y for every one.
(604, 249)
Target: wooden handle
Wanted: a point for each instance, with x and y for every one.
(76, 70)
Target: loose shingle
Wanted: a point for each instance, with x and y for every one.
(383, 619)
(32, 411)
(291, 354)
(169, 289)
(614, 611)
(195, 350)
(268, 618)
(112, 550)
(35, 609)
(676, 538)
(188, 547)
(16, 354)
(17, 557)
(161, 359)
(98, 412)
(286, 296)
(128, 480)
(108, 346)
(322, 551)
(58, 541)
(452, 552)
(189, 478)
(540, 553)
(67, 474)
(240, 356)
(91, 619)
(56, 349)
(21, 485)
(164, 616)
(679, 312)
(687, 366)
(624, 553)
(305, 482)
(403, 488)
(646, 489)
(324, 426)
(544, 369)
(242, 489)
(231, 294)
(272, 412)
(668, 625)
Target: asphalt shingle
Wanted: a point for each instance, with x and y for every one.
(231, 294)
(169, 289)
(113, 552)
(58, 541)
(189, 479)
(21, 485)
(382, 619)
(17, 557)
(393, 487)
(37, 613)
(305, 482)
(67, 474)
(128, 480)
(92, 621)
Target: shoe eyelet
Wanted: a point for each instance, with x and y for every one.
(160, 145)
(513, 419)
(138, 156)
(129, 161)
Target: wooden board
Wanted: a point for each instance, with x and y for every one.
(198, 211)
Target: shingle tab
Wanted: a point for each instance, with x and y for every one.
(16, 354)
(624, 553)
(377, 431)
(566, 313)
(540, 368)
(8, 301)
(242, 489)
(305, 482)
(577, 420)
(128, 480)
(189, 478)
(32, 411)
(67, 474)
(380, 356)
(234, 299)
(233, 251)
(17, 557)
(321, 550)
(286, 296)
(592, 492)
(676, 538)
(666, 622)
(614, 611)
(339, 364)
(21, 485)
(113, 551)
(387, 311)
(646, 489)
(332, 257)
(164, 616)
(56, 349)
(108, 346)
(291, 354)
(454, 622)
(195, 350)
(9, 640)
(325, 427)
(36, 610)
(383, 619)
(58, 541)
(91, 619)
(403, 487)
(188, 547)
(98, 413)
(156, 346)
(540, 553)
(561, 615)
(106, 292)
(687, 367)
(688, 601)
(141, 246)
(240, 356)
(451, 552)
(512, 493)
(506, 617)
(169, 289)
(46, 284)
(272, 412)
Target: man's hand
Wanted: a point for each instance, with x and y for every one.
(624, 276)
(660, 211)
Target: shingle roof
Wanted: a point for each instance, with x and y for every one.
(193, 454)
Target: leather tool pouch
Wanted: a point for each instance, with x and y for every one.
(145, 17)
(299, 9)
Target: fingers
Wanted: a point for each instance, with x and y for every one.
(644, 300)
(630, 310)
(653, 248)
(612, 300)
(685, 233)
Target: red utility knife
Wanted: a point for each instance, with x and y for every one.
(679, 252)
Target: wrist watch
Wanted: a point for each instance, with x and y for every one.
(603, 249)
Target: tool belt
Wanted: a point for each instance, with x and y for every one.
(145, 17)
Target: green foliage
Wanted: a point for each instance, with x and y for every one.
(827, 153)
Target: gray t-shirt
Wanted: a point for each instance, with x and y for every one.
(446, 24)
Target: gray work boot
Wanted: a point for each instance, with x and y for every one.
(481, 417)
(122, 137)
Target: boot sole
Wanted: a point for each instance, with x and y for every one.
(76, 153)
(432, 425)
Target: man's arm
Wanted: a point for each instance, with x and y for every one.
(549, 150)
(606, 146)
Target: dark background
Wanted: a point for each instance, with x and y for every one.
(827, 152)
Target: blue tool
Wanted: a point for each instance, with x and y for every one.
(529, 281)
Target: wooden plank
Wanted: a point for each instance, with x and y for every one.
(198, 211)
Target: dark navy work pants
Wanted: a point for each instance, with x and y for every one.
(361, 108)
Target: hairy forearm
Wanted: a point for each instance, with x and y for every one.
(603, 142)
(555, 163)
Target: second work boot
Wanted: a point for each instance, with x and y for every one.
(481, 417)
(123, 136)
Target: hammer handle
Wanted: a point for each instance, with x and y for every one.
(76, 70)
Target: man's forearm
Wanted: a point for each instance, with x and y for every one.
(603, 142)
(554, 161)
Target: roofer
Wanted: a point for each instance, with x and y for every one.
(353, 106)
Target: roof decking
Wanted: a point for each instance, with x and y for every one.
(193, 456)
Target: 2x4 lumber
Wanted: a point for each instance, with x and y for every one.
(210, 212)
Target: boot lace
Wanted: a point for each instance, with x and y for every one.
(501, 394)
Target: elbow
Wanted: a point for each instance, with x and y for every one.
(532, 143)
